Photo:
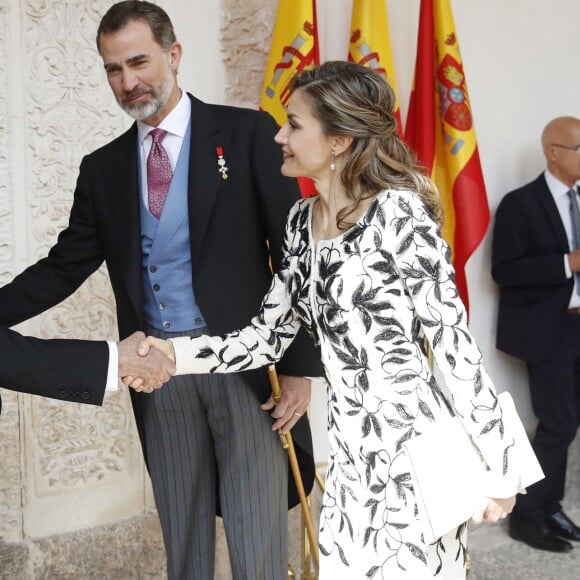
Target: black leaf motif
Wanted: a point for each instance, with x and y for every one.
(382, 267)
(205, 353)
(450, 360)
(416, 551)
(426, 265)
(342, 556)
(437, 337)
(403, 412)
(396, 424)
(478, 383)
(352, 402)
(424, 408)
(236, 360)
(367, 537)
(366, 425)
(405, 378)
(405, 243)
(388, 334)
(363, 381)
(489, 426)
(376, 426)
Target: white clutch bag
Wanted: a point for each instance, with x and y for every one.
(450, 477)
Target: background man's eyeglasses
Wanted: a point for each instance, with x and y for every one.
(571, 148)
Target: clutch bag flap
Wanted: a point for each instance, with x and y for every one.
(448, 476)
(451, 480)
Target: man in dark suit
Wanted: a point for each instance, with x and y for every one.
(536, 258)
(76, 370)
(199, 265)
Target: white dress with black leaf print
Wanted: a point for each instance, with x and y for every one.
(369, 298)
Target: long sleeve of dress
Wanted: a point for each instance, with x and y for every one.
(422, 259)
(261, 343)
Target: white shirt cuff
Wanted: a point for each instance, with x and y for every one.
(567, 266)
(113, 370)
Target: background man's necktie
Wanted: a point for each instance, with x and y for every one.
(159, 173)
(575, 215)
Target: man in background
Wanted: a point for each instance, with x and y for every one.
(536, 262)
(181, 207)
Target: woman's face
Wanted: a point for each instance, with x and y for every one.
(306, 149)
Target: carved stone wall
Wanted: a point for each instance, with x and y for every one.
(10, 474)
(55, 107)
(245, 36)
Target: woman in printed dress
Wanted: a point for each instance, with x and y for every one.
(368, 274)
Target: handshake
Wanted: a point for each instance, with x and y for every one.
(145, 363)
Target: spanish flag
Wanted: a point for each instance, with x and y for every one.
(370, 43)
(440, 130)
(294, 48)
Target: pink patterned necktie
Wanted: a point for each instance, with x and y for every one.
(159, 173)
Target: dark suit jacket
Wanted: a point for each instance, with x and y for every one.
(230, 221)
(529, 243)
(71, 370)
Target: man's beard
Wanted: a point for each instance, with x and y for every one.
(147, 109)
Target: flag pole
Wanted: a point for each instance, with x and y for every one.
(288, 444)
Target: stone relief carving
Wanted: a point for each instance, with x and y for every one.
(246, 32)
(10, 478)
(69, 112)
(81, 446)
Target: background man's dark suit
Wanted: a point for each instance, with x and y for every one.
(227, 228)
(70, 370)
(529, 245)
(529, 242)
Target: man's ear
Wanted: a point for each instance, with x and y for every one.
(175, 53)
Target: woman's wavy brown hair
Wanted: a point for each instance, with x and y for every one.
(354, 101)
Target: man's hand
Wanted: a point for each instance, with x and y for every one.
(293, 404)
(574, 260)
(143, 373)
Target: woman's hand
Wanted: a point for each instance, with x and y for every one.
(165, 346)
(293, 404)
(493, 510)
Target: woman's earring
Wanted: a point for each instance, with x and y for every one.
(332, 160)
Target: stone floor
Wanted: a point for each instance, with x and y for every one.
(495, 556)
(133, 549)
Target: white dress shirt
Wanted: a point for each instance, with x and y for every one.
(113, 369)
(176, 125)
(559, 192)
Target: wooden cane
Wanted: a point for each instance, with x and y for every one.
(288, 444)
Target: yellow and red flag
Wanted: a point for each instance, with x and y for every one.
(370, 43)
(294, 48)
(440, 130)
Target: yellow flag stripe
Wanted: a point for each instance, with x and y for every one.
(370, 41)
(292, 50)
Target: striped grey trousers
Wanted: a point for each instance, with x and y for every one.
(204, 435)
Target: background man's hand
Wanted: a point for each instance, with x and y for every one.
(574, 260)
(143, 373)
